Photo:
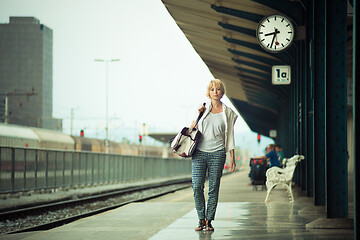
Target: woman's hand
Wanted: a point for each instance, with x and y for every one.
(232, 166)
(201, 109)
(232, 161)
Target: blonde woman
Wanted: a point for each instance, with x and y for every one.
(217, 128)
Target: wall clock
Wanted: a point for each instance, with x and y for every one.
(275, 33)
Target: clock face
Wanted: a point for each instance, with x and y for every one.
(275, 33)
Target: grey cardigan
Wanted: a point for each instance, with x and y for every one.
(231, 117)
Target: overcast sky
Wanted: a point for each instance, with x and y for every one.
(160, 80)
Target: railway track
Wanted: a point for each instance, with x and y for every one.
(47, 216)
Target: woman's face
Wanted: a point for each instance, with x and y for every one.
(216, 93)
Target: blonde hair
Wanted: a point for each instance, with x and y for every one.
(217, 83)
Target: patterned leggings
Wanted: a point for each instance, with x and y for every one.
(213, 162)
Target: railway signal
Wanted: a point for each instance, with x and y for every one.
(82, 134)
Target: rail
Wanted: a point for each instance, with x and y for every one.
(26, 169)
(44, 216)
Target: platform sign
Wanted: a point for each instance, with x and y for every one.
(281, 75)
(272, 133)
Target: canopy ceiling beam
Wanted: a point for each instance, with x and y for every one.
(268, 61)
(267, 99)
(282, 56)
(267, 86)
(260, 74)
(254, 117)
(238, 13)
(243, 30)
(290, 8)
(253, 79)
(255, 65)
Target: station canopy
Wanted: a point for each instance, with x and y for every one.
(223, 33)
(163, 137)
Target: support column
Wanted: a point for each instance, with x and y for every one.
(309, 88)
(311, 144)
(319, 16)
(304, 119)
(336, 112)
(310, 101)
(356, 113)
(297, 112)
(336, 204)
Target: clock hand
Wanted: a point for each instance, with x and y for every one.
(276, 40)
(272, 41)
(268, 34)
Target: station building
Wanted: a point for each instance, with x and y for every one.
(26, 73)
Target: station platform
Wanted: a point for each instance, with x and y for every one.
(241, 214)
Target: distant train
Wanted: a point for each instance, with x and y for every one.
(30, 137)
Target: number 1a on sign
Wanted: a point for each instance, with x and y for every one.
(281, 74)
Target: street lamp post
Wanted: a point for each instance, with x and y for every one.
(107, 98)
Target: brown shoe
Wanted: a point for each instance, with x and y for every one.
(209, 227)
(201, 226)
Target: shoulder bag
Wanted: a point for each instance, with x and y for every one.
(186, 140)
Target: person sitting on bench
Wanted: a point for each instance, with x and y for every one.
(274, 159)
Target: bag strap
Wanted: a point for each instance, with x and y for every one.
(199, 117)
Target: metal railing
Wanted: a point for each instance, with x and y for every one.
(24, 169)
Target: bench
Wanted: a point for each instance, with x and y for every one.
(282, 176)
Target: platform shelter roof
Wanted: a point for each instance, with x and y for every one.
(223, 33)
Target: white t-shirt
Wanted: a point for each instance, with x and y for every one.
(213, 133)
